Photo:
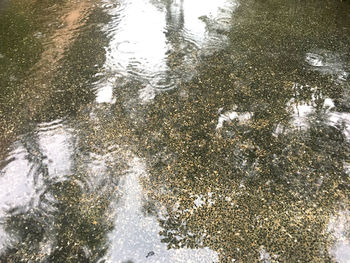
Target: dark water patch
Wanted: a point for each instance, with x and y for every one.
(73, 84)
(74, 73)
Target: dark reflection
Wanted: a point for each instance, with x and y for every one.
(67, 216)
(258, 190)
(253, 175)
(20, 49)
(245, 159)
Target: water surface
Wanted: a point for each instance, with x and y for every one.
(174, 131)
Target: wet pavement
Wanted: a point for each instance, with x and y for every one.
(174, 131)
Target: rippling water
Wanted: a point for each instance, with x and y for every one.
(174, 131)
(165, 47)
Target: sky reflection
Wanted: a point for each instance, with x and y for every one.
(136, 233)
(215, 132)
(339, 226)
(40, 159)
(163, 48)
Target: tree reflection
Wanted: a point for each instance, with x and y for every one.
(245, 190)
(250, 162)
(259, 190)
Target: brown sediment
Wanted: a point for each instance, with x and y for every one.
(74, 16)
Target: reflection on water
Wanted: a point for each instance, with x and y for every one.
(17, 188)
(105, 94)
(55, 141)
(195, 131)
(136, 235)
(241, 117)
(164, 47)
(328, 62)
(317, 109)
(339, 226)
(37, 161)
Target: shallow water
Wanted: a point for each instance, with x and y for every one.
(174, 131)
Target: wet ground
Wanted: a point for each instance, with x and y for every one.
(174, 131)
